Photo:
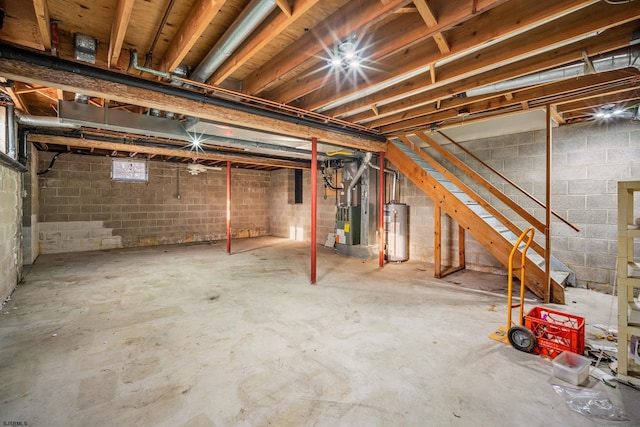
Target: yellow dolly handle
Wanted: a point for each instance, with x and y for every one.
(530, 231)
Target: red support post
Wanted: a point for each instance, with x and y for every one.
(228, 207)
(314, 205)
(381, 237)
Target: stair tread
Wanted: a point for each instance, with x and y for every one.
(558, 276)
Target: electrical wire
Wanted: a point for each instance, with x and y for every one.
(53, 160)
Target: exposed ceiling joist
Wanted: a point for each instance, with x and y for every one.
(565, 90)
(333, 30)
(191, 29)
(116, 148)
(606, 41)
(118, 30)
(431, 21)
(541, 38)
(42, 17)
(259, 41)
(74, 82)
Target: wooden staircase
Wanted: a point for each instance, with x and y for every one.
(476, 216)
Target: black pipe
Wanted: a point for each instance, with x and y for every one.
(43, 60)
(23, 153)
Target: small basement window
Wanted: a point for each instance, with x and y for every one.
(129, 170)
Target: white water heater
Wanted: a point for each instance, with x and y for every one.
(395, 230)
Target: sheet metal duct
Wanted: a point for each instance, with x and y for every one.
(73, 114)
(248, 20)
(610, 62)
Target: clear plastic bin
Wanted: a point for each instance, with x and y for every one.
(571, 367)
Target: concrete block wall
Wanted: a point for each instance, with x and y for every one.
(30, 206)
(10, 231)
(588, 161)
(172, 207)
(293, 221)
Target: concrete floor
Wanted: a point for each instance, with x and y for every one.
(189, 336)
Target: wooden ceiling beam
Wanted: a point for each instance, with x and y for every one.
(251, 47)
(44, 25)
(194, 24)
(118, 147)
(330, 31)
(285, 7)
(555, 115)
(511, 97)
(74, 82)
(118, 30)
(596, 17)
(385, 57)
(570, 89)
(429, 18)
(611, 39)
(591, 103)
(16, 98)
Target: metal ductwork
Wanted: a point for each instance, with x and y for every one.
(250, 18)
(612, 61)
(43, 121)
(11, 132)
(356, 177)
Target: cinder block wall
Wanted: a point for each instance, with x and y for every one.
(293, 221)
(30, 207)
(172, 207)
(588, 161)
(10, 231)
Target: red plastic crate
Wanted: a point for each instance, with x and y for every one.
(555, 331)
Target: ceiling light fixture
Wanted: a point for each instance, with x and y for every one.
(345, 55)
(608, 111)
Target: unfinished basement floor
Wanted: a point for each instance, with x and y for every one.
(191, 336)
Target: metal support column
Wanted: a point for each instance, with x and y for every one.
(228, 207)
(314, 205)
(381, 186)
(547, 229)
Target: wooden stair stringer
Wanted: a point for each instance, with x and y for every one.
(486, 235)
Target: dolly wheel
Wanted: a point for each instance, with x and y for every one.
(522, 339)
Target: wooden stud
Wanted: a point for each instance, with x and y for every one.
(437, 240)
(42, 16)
(432, 72)
(118, 30)
(285, 7)
(547, 230)
(462, 263)
(508, 96)
(374, 108)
